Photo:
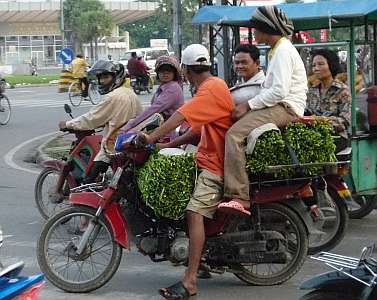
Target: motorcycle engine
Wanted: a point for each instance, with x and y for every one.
(179, 249)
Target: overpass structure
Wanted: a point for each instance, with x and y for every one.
(29, 29)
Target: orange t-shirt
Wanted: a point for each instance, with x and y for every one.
(209, 113)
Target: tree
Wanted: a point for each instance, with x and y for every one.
(160, 25)
(86, 21)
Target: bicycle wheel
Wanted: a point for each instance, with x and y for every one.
(74, 93)
(5, 110)
(150, 86)
(94, 95)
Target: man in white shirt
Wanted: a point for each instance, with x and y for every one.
(247, 66)
(281, 100)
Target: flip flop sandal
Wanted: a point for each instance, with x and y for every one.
(175, 292)
(233, 207)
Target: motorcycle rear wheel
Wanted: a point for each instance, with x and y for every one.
(52, 260)
(297, 247)
(336, 234)
(44, 185)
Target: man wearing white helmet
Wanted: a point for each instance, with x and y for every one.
(209, 114)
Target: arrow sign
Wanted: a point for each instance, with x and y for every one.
(66, 55)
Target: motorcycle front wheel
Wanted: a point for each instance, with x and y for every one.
(361, 206)
(280, 218)
(58, 258)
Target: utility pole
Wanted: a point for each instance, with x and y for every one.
(177, 28)
(62, 23)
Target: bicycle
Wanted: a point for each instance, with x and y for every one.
(75, 91)
(5, 107)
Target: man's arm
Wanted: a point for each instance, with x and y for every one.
(282, 69)
(188, 137)
(96, 117)
(173, 122)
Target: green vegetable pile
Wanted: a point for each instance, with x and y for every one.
(312, 143)
(167, 182)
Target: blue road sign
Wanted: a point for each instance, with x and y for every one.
(66, 55)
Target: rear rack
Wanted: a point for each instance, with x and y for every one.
(345, 264)
(328, 166)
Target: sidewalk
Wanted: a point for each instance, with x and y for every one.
(55, 147)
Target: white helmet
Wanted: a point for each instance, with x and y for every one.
(195, 55)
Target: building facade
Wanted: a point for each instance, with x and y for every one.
(30, 31)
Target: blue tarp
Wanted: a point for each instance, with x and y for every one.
(304, 15)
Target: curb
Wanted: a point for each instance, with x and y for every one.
(41, 156)
(12, 87)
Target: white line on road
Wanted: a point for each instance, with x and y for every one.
(8, 158)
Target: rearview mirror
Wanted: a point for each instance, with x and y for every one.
(67, 108)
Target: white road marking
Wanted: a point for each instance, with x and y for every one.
(8, 157)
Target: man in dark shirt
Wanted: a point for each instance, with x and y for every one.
(137, 68)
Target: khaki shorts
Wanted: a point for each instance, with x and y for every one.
(207, 195)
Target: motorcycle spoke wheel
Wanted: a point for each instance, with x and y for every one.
(74, 94)
(59, 260)
(5, 110)
(294, 245)
(332, 222)
(44, 188)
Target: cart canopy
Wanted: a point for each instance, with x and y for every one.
(305, 16)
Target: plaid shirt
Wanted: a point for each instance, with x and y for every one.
(335, 103)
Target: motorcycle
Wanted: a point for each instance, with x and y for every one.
(138, 86)
(266, 248)
(15, 286)
(352, 279)
(66, 173)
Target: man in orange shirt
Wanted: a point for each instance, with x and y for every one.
(208, 113)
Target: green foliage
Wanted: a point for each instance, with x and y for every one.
(269, 150)
(159, 26)
(312, 143)
(86, 19)
(167, 182)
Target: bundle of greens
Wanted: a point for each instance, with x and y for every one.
(167, 182)
(312, 143)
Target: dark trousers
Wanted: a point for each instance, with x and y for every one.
(84, 81)
(97, 168)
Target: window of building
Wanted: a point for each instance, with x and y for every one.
(24, 40)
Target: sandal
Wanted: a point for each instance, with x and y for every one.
(175, 292)
(232, 207)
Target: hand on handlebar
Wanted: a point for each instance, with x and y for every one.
(142, 139)
(62, 125)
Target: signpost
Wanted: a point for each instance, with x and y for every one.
(66, 55)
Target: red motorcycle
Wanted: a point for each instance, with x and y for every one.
(267, 248)
(67, 173)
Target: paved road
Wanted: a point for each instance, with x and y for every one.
(36, 112)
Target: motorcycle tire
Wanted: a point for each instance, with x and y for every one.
(326, 295)
(341, 207)
(46, 266)
(300, 251)
(367, 205)
(136, 90)
(38, 195)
